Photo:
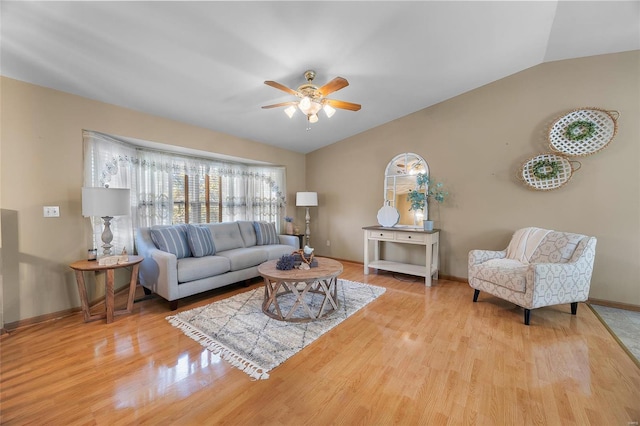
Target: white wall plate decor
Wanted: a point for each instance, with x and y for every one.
(388, 216)
(583, 132)
(545, 172)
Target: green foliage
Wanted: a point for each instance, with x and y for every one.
(545, 169)
(426, 189)
(580, 130)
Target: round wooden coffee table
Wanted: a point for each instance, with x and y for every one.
(311, 292)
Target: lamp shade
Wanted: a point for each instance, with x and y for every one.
(105, 202)
(306, 199)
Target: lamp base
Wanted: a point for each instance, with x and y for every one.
(107, 236)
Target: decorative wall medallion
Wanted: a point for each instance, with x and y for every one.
(583, 132)
(545, 172)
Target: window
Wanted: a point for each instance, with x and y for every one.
(169, 188)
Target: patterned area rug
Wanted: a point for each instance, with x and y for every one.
(238, 330)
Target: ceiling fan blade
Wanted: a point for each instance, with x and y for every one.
(281, 104)
(343, 105)
(335, 84)
(282, 87)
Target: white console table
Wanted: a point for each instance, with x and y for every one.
(429, 239)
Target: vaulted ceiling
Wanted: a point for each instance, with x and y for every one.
(205, 63)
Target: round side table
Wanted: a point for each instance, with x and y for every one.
(82, 266)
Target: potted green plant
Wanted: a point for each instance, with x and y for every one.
(418, 198)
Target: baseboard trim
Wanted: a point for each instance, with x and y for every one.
(12, 326)
(617, 305)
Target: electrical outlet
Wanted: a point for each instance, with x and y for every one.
(328, 243)
(51, 211)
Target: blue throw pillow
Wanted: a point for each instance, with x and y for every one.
(200, 241)
(266, 233)
(172, 239)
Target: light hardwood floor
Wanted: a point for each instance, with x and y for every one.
(416, 355)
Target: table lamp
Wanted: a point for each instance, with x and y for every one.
(106, 203)
(307, 199)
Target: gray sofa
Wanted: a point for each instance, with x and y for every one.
(183, 260)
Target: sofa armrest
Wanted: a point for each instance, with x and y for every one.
(290, 240)
(480, 256)
(159, 270)
(565, 282)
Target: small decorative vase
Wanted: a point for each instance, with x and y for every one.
(428, 225)
(289, 228)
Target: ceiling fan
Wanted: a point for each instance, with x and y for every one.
(313, 98)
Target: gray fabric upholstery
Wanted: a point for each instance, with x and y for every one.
(226, 236)
(195, 268)
(173, 278)
(247, 232)
(276, 251)
(244, 257)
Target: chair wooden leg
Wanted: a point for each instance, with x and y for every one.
(527, 316)
(574, 308)
(475, 295)
(173, 305)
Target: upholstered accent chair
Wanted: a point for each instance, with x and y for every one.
(539, 268)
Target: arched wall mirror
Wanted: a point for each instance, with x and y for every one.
(399, 178)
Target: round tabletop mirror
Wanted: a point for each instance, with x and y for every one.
(399, 178)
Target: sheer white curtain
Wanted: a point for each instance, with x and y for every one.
(156, 178)
(106, 164)
(253, 193)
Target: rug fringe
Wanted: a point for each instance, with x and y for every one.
(254, 371)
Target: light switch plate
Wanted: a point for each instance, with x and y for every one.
(51, 211)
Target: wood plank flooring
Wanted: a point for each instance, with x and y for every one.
(416, 355)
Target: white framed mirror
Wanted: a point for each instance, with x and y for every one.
(399, 178)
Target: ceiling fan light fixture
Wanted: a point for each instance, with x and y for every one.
(329, 110)
(304, 104)
(290, 111)
(313, 98)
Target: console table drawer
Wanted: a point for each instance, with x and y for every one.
(382, 235)
(411, 237)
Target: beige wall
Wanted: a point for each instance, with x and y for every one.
(41, 164)
(475, 143)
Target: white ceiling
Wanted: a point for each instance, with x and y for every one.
(204, 63)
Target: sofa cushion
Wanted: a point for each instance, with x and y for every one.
(276, 251)
(226, 236)
(172, 239)
(507, 273)
(556, 247)
(195, 268)
(266, 233)
(248, 232)
(200, 241)
(245, 257)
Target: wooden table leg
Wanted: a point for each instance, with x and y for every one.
(132, 287)
(82, 290)
(108, 295)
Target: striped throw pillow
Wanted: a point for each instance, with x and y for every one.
(266, 233)
(200, 241)
(172, 239)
